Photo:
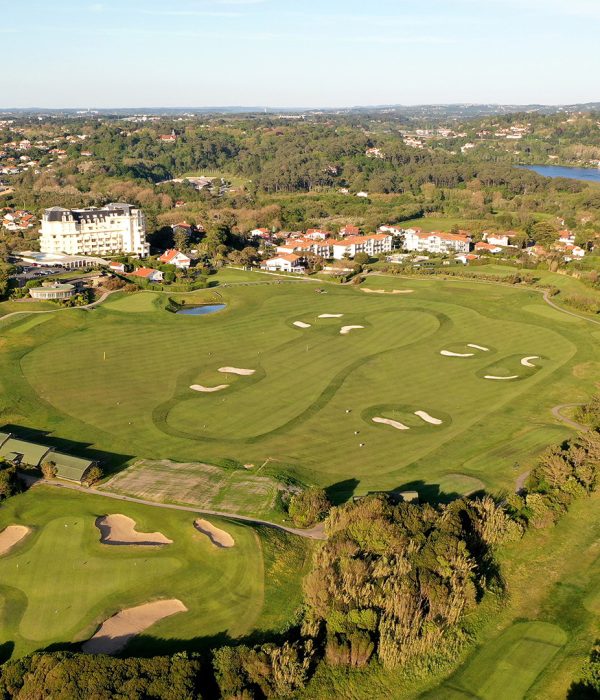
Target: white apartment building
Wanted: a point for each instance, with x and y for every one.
(372, 245)
(115, 228)
(435, 242)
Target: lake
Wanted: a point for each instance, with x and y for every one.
(590, 174)
(201, 310)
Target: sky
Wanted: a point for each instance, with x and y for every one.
(297, 53)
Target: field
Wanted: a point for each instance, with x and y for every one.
(116, 382)
(60, 582)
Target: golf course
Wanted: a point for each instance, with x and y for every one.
(61, 581)
(446, 388)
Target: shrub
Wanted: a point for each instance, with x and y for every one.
(309, 507)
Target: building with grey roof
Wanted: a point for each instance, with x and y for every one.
(110, 230)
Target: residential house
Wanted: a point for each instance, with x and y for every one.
(483, 247)
(285, 263)
(149, 274)
(506, 240)
(117, 267)
(177, 258)
(349, 231)
(316, 234)
(566, 237)
(387, 228)
(263, 233)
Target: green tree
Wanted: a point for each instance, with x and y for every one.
(309, 507)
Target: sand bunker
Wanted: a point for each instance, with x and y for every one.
(478, 347)
(385, 291)
(237, 370)
(218, 537)
(394, 423)
(491, 376)
(526, 361)
(427, 418)
(301, 324)
(119, 529)
(346, 329)
(12, 535)
(115, 632)
(330, 315)
(208, 389)
(448, 353)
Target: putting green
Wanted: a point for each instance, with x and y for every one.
(135, 303)
(121, 381)
(61, 582)
(505, 668)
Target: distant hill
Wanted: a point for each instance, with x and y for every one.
(426, 111)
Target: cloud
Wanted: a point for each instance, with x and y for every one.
(96, 7)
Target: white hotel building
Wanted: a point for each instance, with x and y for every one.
(113, 229)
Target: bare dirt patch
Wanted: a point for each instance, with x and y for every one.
(11, 536)
(218, 537)
(120, 530)
(115, 633)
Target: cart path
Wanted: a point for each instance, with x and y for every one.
(557, 413)
(315, 533)
(103, 298)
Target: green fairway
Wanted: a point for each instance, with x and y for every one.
(120, 382)
(506, 668)
(60, 582)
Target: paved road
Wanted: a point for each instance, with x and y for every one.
(315, 533)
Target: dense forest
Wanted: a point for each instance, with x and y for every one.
(294, 174)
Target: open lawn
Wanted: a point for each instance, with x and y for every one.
(60, 582)
(118, 378)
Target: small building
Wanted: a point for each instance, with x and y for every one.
(175, 257)
(349, 231)
(72, 262)
(117, 267)
(149, 274)
(503, 239)
(483, 247)
(29, 454)
(260, 233)
(285, 263)
(50, 291)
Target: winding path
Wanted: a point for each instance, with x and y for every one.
(315, 533)
(103, 298)
(557, 413)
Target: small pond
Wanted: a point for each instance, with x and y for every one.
(203, 310)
